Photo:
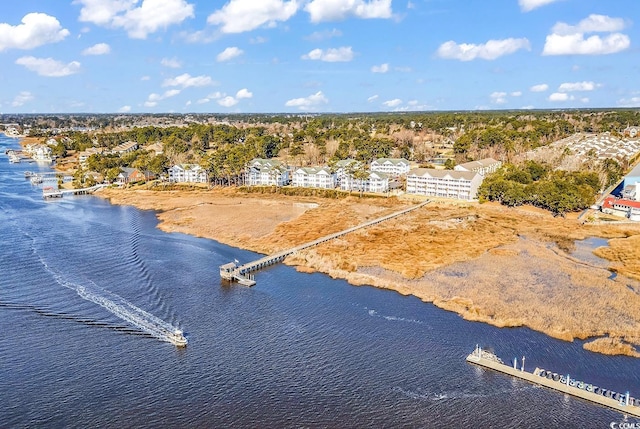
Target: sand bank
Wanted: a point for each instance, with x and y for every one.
(506, 267)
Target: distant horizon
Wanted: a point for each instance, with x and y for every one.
(317, 56)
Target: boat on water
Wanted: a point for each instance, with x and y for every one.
(563, 383)
(178, 339)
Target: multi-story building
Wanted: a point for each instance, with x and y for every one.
(313, 177)
(375, 182)
(461, 185)
(187, 173)
(393, 167)
(482, 166)
(266, 172)
(123, 148)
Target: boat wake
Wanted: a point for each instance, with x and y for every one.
(374, 313)
(123, 309)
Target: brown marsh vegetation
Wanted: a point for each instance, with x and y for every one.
(503, 266)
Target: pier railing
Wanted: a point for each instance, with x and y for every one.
(233, 271)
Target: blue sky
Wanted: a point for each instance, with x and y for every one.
(264, 56)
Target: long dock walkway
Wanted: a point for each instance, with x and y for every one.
(232, 271)
(58, 193)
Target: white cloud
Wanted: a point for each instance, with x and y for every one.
(153, 98)
(137, 21)
(488, 51)
(229, 53)
(22, 98)
(216, 95)
(124, 109)
(516, 93)
(539, 88)
(244, 93)
(185, 80)
(239, 16)
(584, 100)
(228, 101)
(372, 98)
(145, 78)
(577, 86)
(592, 24)
(258, 40)
(49, 67)
(629, 102)
(308, 103)
(324, 35)
(499, 97)
(560, 96)
(568, 39)
(97, 49)
(393, 103)
(330, 55)
(382, 68)
(335, 10)
(172, 63)
(203, 100)
(529, 5)
(37, 29)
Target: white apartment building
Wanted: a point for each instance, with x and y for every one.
(376, 182)
(313, 177)
(391, 166)
(266, 172)
(187, 173)
(461, 185)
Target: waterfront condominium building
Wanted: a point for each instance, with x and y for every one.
(266, 172)
(187, 173)
(393, 167)
(313, 177)
(461, 185)
(375, 182)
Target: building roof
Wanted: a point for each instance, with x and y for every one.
(481, 163)
(394, 161)
(635, 172)
(443, 174)
(609, 202)
(313, 170)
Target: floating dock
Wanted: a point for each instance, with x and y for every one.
(565, 384)
(50, 192)
(240, 273)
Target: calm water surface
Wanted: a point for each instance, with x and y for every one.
(297, 350)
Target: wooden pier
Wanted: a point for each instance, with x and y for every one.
(240, 273)
(59, 193)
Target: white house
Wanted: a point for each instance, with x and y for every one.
(376, 182)
(266, 172)
(313, 177)
(482, 166)
(39, 152)
(187, 173)
(392, 166)
(461, 185)
(343, 168)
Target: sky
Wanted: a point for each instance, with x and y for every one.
(297, 56)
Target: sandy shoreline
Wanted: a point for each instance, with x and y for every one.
(506, 267)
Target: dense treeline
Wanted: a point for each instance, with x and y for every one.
(224, 148)
(534, 183)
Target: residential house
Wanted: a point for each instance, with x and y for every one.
(375, 182)
(123, 148)
(461, 185)
(391, 166)
(132, 175)
(482, 166)
(187, 173)
(266, 172)
(39, 152)
(313, 177)
(622, 207)
(156, 148)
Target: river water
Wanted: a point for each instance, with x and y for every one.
(297, 350)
